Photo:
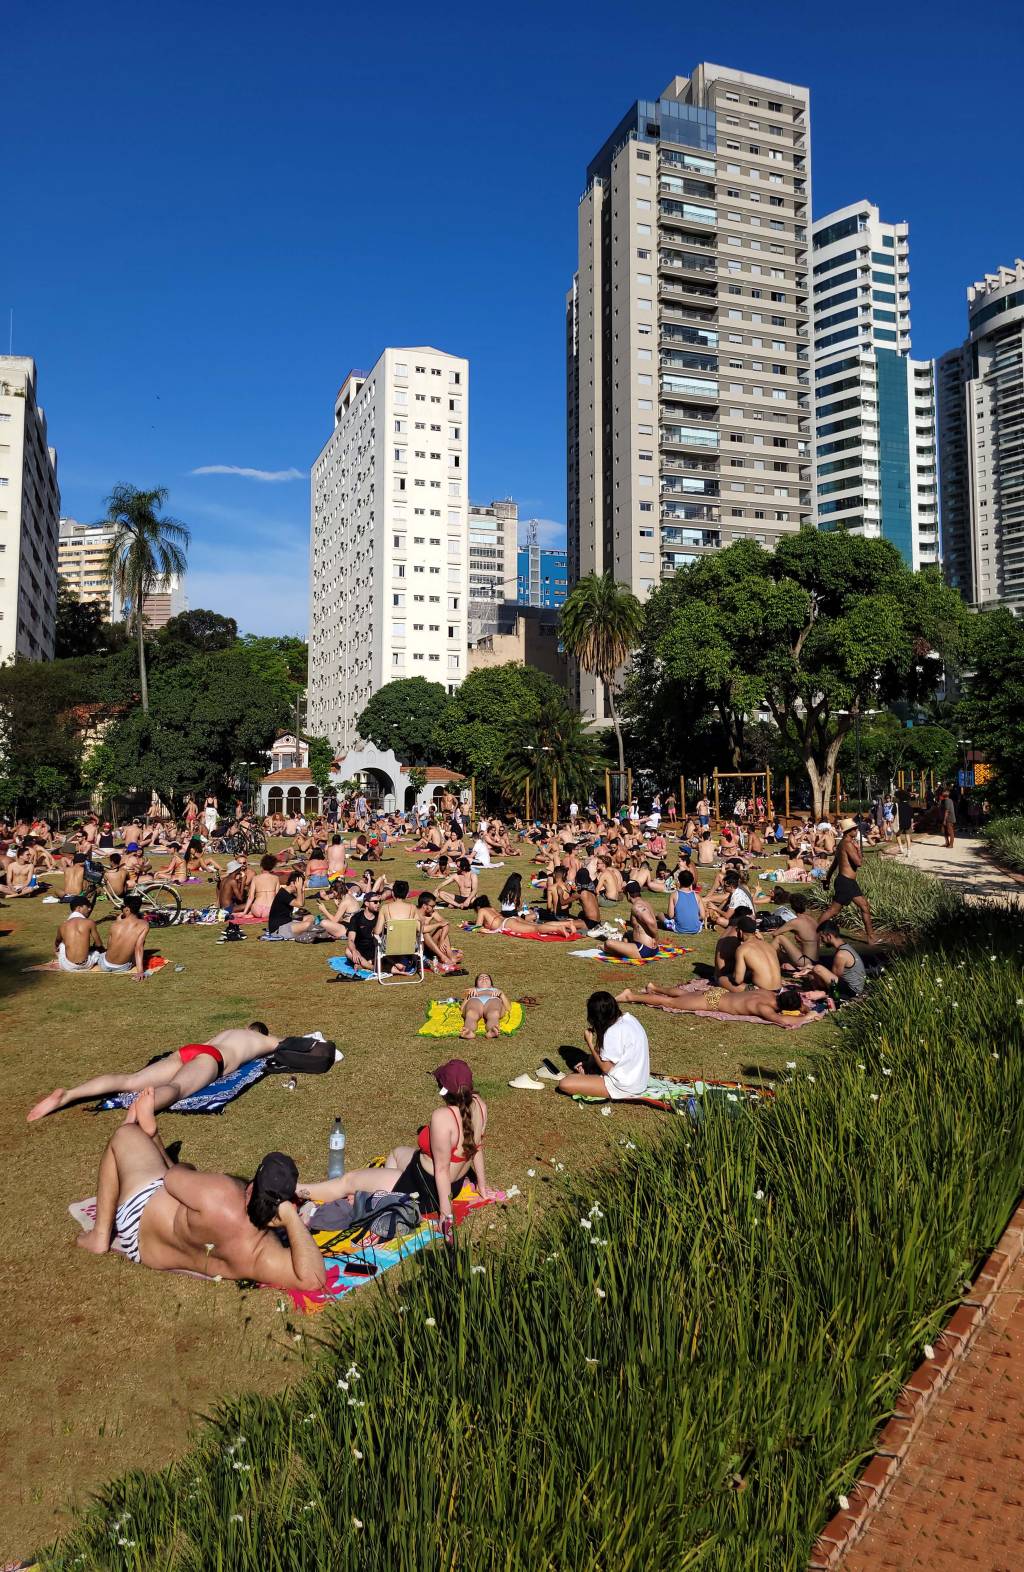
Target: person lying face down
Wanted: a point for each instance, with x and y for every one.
(176, 1219)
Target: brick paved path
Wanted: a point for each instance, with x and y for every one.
(957, 1503)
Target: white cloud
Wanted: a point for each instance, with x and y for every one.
(550, 534)
(249, 474)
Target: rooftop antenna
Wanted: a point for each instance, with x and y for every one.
(531, 533)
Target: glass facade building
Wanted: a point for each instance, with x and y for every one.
(874, 422)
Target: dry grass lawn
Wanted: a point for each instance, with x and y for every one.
(107, 1365)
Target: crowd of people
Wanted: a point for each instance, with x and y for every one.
(778, 954)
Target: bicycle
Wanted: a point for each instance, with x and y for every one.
(155, 897)
(244, 842)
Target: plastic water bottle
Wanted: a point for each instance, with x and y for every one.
(336, 1151)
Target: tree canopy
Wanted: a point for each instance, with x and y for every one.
(407, 715)
(827, 626)
(992, 707)
(82, 627)
(200, 630)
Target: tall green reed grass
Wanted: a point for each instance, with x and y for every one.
(680, 1366)
(903, 899)
(1005, 839)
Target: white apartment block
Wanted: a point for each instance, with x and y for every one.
(29, 515)
(389, 561)
(688, 332)
(981, 445)
(81, 562)
(875, 468)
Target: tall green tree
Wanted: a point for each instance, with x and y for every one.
(552, 749)
(82, 627)
(200, 630)
(494, 705)
(991, 710)
(821, 630)
(146, 551)
(408, 716)
(600, 627)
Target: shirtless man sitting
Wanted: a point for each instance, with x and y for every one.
(643, 942)
(126, 941)
(172, 1218)
(436, 933)
(610, 885)
(797, 940)
(177, 1075)
(759, 1004)
(466, 885)
(74, 876)
(78, 945)
(337, 856)
(117, 880)
(756, 964)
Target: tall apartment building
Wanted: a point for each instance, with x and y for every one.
(687, 331)
(981, 445)
(543, 577)
(166, 601)
(81, 561)
(874, 406)
(389, 557)
(29, 515)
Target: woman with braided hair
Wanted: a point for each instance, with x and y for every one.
(448, 1149)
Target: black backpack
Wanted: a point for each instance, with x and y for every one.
(387, 1215)
(302, 1056)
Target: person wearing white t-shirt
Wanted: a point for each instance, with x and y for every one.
(619, 1050)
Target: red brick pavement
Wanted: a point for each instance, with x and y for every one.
(957, 1503)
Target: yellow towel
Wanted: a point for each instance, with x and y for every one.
(445, 1020)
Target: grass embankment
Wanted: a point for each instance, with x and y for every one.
(1005, 839)
(682, 1366)
(903, 900)
(106, 1366)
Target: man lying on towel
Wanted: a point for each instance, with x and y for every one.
(758, 1004)
(179, 1075)
(174, 1219)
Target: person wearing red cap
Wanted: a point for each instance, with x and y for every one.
(448, 1149)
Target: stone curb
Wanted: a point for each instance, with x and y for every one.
(927, 1381)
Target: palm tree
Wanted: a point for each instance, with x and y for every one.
(600, 628)
(147, 550)
(553, 749)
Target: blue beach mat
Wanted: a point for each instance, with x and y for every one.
(211, 1099)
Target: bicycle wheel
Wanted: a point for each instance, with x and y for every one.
(161, 898)
(257, 842)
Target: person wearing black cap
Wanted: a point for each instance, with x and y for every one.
(175, 1219)
(448, 1150)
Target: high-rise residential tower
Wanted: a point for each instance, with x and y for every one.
(543, 576)
(874, 406)
(29, 517)
(981, 445)
(388, 537)
(81, 562)
(687, 331)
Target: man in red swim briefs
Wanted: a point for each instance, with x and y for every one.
(178, 1075)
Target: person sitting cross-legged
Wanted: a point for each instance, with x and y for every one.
(618, 1062)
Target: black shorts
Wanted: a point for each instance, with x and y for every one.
(415, 1180)
(846, 889)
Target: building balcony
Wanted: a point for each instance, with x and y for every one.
(676, 333)
(672, 514)
(689, 436)
(686, 213)
(677, 486)
(671, 536)
(689, 387)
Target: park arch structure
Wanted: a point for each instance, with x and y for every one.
(382, 778)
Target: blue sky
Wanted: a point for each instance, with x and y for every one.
(216, 211)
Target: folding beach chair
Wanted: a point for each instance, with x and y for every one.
(401, 940)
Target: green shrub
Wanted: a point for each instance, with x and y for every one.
(903, 899)
(680, 1367)
(1005, 839)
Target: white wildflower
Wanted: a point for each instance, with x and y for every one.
(236, 1517)
(560, 1167)
(296, 1337)
(357, 1522)
(630, 1146)
(595, 1210)
(585, 1222)
(874, 1097)
(353, 1374)
(478, 1269)
(886, 1070)
(531, 1173)
(810, 1078)
(600, 1293)
(511, 1193)
(995, 1056)
(430, 1321)
(344, 1384)
(790, 1064)
(758, 1195)
(356, 1402)
(606, 1113)
(357, 1454)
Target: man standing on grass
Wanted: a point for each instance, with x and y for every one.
(845, 866)
(172, 1218)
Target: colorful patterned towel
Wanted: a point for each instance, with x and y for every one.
(339, 1256)
(209, 1100)
(445, 1020)
(674, 1094)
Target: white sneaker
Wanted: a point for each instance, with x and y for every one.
(544, 1074)
(526, 1083)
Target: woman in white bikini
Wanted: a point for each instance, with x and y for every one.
(483, 1002)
